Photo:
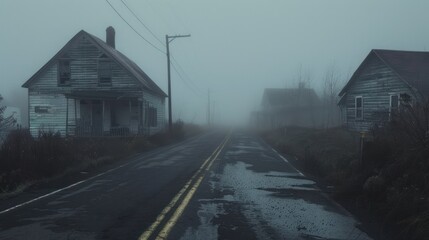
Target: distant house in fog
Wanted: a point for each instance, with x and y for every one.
(90, 88)
(288, 107)
(384, 80)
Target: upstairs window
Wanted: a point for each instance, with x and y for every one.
(359, 108)
(64, 72)
(104, 71)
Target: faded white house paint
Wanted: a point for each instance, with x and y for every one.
(89, 88)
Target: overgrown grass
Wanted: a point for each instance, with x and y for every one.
(324, 153)
(25, 159)
(390, 185)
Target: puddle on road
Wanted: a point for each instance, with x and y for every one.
(206, 230)
(260, 196)
(291, 205)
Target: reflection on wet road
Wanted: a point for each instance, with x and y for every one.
(252, 193)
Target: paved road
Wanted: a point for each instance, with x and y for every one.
(215, 186)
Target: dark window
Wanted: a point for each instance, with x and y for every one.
(42, 109)
(104, 71)
(394, 106)
(64, 73)
(405, 99)
(359, 107)
(394, 102)
(153, 121)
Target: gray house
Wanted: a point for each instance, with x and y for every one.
(384, 80)
(288, 107)
(91, 89)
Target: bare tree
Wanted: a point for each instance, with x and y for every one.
(331, 82)
(413, 121)
(6, 122)
(303, 78)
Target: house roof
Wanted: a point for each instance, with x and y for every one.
(290, 97)
(130, 66)
(410, 66)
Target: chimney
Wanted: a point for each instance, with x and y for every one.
(110, 36)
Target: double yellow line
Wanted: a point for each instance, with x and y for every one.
(190, 188)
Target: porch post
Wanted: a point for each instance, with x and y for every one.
(140, 127)
(102, 121)
(67, 116)
(75, 118)
(129, 120)
(90, 104)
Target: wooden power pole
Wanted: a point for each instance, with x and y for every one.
(169, 39)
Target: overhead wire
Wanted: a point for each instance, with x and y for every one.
(180, 20)
(144, 25)
(147, 41)
(194, 88)
(184, 72)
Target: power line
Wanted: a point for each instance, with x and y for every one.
(193, 89)
(144, 25)
(151, 32)
(155, 47)
(184, 72)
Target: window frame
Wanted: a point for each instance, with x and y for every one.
(99, 76)
(361, 109)
(40, 109)
(61, 81)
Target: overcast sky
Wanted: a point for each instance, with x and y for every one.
(237, 48)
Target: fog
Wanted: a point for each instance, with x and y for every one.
(237, 48)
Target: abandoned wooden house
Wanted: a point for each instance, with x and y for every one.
(91, 89)
(288, 107)
(383, 81)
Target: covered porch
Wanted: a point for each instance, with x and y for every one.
(104, 114)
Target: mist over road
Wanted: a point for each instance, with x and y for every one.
(214, 186)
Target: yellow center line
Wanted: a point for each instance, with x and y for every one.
(163, 234)
(146, 235)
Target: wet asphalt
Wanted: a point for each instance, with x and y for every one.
(254, 193)
(250, 192)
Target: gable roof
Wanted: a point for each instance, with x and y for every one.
(412, 67)
(130, 66)
(290, 97)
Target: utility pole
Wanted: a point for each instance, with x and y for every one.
(208, 107)
(214, 113)
(168, 40)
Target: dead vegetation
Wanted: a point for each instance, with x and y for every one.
(25, 159)
(389, 187)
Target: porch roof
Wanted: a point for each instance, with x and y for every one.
(102, 95)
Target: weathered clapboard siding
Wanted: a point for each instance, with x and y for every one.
(375, 84)
(55, 119)
(84, 56)
(86, 107)
(158, 103)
